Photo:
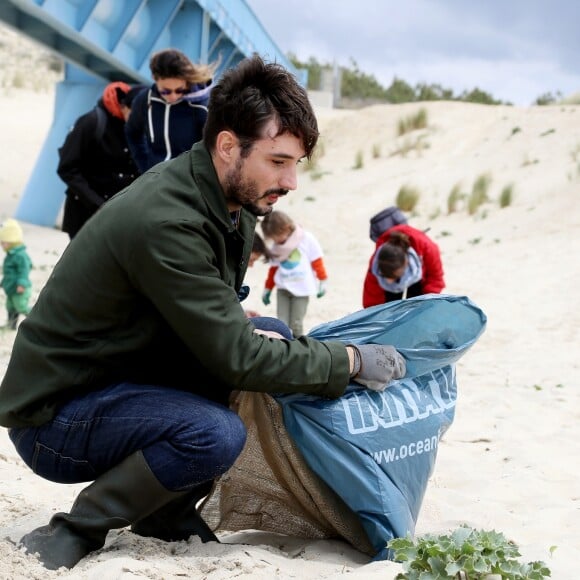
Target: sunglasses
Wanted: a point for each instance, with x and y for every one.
(166, 92)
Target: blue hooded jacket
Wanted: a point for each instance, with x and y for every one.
(157, 130)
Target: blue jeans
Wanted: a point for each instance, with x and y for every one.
(273, 324)
(186, 440)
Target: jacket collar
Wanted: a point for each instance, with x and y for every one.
(206, 179)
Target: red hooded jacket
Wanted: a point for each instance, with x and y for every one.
(428, 252)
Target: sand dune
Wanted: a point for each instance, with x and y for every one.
(509, 460)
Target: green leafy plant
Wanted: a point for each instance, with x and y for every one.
(506, 196)
(455, 196)
(407, 198)
(359, 160)
(479, 194)
(412, 122)
(467, 553)
(482, 183)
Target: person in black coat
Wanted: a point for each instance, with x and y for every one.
(95, 161)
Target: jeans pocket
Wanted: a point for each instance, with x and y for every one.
(51, 465)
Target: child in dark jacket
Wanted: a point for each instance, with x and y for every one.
(15, 272)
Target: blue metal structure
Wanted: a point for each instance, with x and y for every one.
(112, 40)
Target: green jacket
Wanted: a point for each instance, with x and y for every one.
(147, 293)
(16, 270)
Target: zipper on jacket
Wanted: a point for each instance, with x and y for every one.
(166, 131)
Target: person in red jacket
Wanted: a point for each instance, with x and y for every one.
(405, 263)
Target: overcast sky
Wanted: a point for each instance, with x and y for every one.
(516, 50)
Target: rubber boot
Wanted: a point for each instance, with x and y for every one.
(125, 494)
(12, 323)
(178, 519)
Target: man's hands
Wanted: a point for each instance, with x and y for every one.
(376, 365)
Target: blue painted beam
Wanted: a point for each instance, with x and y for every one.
(119, 26)
(187, 32)
(84, 13)
(44, 194)
(159, 16)
(111, 40)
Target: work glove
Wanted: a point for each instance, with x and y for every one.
(321, 289)
(266, 296)
(376, 365)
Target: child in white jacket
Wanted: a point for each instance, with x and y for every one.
(297, 269)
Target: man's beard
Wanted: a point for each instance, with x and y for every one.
(245, 192)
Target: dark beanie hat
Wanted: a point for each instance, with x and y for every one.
(131, 94)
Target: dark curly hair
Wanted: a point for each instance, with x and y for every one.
(249, 96)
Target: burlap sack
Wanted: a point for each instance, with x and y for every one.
(271, 488)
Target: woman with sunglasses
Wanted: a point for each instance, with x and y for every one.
(168, 118)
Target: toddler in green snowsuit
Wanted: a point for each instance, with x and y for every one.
(15, 272)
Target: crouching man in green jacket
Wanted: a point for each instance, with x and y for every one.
(122, 371)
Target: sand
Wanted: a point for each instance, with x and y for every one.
(509, 461)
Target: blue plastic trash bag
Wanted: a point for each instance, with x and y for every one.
(378, 450)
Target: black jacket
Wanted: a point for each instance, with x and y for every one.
(94, 167)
